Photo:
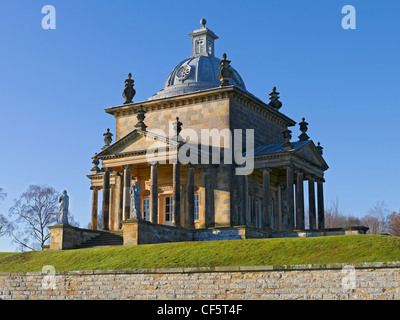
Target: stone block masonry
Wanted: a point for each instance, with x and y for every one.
(379, 280)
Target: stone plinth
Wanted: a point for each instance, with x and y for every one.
(130, 231)
(138, 231)
(64, 237)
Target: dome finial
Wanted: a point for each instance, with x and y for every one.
(203, 22)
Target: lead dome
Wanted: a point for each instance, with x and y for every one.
(200, 70)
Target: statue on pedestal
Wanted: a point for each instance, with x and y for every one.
(63, 208)
(135, 201)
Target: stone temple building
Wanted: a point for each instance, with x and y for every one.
(245, 177)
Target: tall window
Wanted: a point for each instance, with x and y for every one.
(146, 209)
(199, 46)
(169, 209)
(196, 207)
(209, 47)
(259, 213)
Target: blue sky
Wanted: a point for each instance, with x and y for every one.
(55, 84)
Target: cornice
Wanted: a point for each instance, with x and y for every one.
(219, 93)
(172, 102)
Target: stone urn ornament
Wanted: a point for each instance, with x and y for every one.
(129, 91)
(225, 73)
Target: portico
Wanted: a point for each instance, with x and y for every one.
(282, 176)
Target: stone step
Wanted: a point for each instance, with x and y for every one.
(105, 238)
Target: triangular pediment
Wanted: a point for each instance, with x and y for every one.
(136, 141)
(310, 153)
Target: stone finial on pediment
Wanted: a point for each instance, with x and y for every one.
(303, 129)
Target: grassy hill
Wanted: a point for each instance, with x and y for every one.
(6, 254)
(285, 251)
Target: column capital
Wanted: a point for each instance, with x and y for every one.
(289, 166)
(299, 170)
(265, 169)
(153, 164)
(126, 166)
(309, 176)
(320, 179)
(94, 188)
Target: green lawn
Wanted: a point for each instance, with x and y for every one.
(5, 254)
(284, 251)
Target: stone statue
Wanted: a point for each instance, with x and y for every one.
(135, 201)
(63, 208)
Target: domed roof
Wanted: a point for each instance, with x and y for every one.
(199, 71)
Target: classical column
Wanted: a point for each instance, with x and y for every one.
(321, 213)
(177, 193)
(266, 209)
(118, 201)
(290, 196)
(190, 197)
(275, 213)
(154, 193)
(241, 205)
(210, 179)
(283, 215)
(246, 200)
(126, 202)
(300, 201)
(311, 203)
(94, 207)
(106, 198)
(111, 208)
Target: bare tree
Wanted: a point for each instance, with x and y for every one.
(4, 224)
(372, 223)
(34, 211)
(377, 218)
(333, 217)
(2, 194)
(99, 222)
(351, 221)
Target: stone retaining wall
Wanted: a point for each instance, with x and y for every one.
(144, 232)
(355, 281)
